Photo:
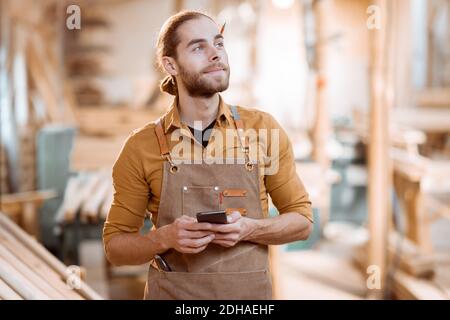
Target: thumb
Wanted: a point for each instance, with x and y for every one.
(234, 216)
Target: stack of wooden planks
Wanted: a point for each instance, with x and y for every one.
(88, 194)
(28, 271)
(413, 273)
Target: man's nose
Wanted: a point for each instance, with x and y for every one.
(214, 55)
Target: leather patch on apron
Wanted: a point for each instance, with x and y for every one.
(242, 211)
(234, 192)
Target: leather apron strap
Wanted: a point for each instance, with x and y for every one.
(239, 124)
(163, 147)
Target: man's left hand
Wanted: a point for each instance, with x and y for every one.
(237, 229)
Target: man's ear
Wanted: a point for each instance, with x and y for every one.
(170, 65)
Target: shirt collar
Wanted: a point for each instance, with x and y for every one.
(172, 118)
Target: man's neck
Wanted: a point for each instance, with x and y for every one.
(195, 110)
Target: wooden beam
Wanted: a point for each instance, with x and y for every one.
(410, 288)
(23, 208)
(433, 97)
(107, 203)
(92, 205)
(19, 283)
(322, 126)
(379, 168)
(34, 263)
(30, 196)
(6, 293)
(29, 274)
(46, 256)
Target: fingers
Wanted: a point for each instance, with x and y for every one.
(193, 234)
(226, 239)
(231, 226)
(224, 243)
(234, 216)
(193, 250)
(225, 228)
(227, 236)
(189, 223)
(195, 243)
(198, 225)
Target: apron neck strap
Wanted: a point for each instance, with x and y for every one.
(163, 147)
(243, 140)
(240, 128)
(161, 138)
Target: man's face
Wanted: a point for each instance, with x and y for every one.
(201, 58)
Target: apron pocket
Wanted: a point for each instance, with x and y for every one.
(199, 198)
(250, 285)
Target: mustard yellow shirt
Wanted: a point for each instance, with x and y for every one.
(137, 172)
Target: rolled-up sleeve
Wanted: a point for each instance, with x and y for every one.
(131, 194)
(284, 185)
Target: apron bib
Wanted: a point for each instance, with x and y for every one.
(237, 273)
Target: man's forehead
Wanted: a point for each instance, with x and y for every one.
(201, 28)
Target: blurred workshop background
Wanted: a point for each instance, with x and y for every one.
(361, 86)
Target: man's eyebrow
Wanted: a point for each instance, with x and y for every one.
(194, 41)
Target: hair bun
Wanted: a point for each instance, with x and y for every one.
(168, 84)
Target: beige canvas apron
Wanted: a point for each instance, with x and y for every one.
(240, 272)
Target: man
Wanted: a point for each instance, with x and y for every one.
(168, 168)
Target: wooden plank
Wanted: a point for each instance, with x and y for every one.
(34, 263)
(86, 155)
(411, 202)
(319, 274)
(408, 287)
(28, 273)
(438, 206)
(107, 203)
(411, 260)
(92, 182)
(379, 168)
(74, 196)
(29, 219)
(45, 255)
(425, 119)
(25, 206)
(433, 97)
(31, 196)
(116, 121)
(68, 206)
(6, 293)
(322, 125)
(19, 283)
(91, 208)
(41, 81)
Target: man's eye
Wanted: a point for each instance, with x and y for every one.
(197, 48)
(220, 44)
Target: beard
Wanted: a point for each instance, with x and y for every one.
(200, 84)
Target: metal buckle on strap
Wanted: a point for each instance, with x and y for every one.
(173, 167)
(249, 166)
(242, 139)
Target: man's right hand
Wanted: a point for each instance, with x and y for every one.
(186, 235)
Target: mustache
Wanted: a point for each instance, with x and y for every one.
(215, 66)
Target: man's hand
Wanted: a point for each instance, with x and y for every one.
(237, 229)
(186, 235)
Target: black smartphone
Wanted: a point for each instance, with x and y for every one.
(212, 216)
(162, 264)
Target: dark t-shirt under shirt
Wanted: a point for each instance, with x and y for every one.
(200, 136)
